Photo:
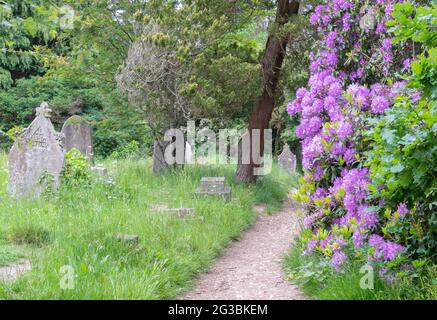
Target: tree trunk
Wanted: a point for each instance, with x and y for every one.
(271, 66)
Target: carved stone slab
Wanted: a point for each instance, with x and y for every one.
(37, 157)
(214, 186)
(287, 160)
(181, 212)
(78, 134)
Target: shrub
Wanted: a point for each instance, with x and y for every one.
(76, 168)
(356, 87)
(33, 235)
(129, 151)
(404, 143)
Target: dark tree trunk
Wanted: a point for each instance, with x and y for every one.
(271, 66)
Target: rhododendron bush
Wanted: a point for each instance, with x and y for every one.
(357, 74)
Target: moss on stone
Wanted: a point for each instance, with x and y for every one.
(75, 120)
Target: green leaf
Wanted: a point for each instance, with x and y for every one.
(31, 26)
(397, 168)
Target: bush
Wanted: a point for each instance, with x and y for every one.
(369, 144)
(403, 156)
(129, 151)
(77, 169)
(33, 235)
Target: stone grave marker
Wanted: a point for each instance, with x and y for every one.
(214, 186)
(181, 212)
(78, 134)
(129, 239)
(159, 162)
(100, 171)
(287, 160)
(37, 157)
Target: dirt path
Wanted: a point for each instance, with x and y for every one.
(251, 268)
(14, 270)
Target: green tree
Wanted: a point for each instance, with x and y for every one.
(27, 26)
(193, 59)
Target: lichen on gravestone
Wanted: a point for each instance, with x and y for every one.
(78, 134)
(37, 151)
(287, 160)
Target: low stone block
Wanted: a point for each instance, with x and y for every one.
(181, 212)
(210, 186)
(100, 171)
(226, 193)
(130, 239)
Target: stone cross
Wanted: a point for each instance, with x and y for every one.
(78, 134)
(37, 157)
(287, 160)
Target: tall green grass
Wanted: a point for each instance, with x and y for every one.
(76, 227)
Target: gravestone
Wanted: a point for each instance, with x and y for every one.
(78, 134)
(100, 171)
(159, 162)
(37, 157)
(287, 160)
(211, 186)
(129, 239)
(181, 212)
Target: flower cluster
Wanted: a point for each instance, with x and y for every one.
(347, 80)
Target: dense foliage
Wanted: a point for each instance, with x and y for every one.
(357, 101)
(26, 27)
(72, 68)
(193, 60)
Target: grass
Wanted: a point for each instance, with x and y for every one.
(10, 253)
(76, 227)
(345, 285)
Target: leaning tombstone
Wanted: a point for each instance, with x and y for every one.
(287, 160)
(211, 186)
(37, 157)
(78, 134)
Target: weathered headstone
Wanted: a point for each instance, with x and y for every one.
(159, 162)
(214, 186)
(37, 157)
(100, 171)
(287, 160)
(78, 134)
